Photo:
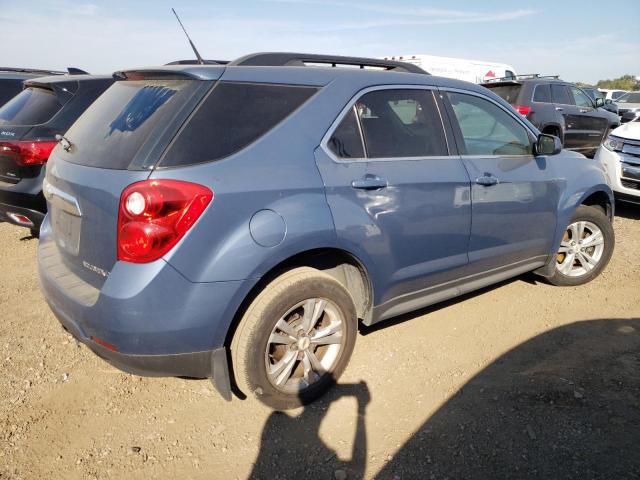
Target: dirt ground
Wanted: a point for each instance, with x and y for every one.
(521, 380)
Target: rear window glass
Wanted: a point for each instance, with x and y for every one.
(32, 106)
(116, 126)
(233, 116)
(560, 94)
(508, 92)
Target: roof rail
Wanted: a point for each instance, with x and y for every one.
(281, 59)
(525, 76)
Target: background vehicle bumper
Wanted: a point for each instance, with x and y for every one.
(623, 186)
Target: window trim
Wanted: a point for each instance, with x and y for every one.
(532, 134)
(324, 144)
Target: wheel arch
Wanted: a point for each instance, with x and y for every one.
(340, 264)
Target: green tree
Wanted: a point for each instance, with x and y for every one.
(625, 82)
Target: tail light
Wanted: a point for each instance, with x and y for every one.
(523, 110)
(28, 153)
(155, 214)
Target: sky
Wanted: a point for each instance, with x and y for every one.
(579, 40)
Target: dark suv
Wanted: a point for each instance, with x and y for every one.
(558, 108)
(29, 124)
(237, 222)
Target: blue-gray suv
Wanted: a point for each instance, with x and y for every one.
(237, 222)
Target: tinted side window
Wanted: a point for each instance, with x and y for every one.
(560, 94)
(32, 106)
(233, 116)
(616, 95)
(401, 123)
(580, 98)
(542, 93)
(346, 141)
(487, 129)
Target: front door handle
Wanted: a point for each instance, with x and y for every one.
(559, 109)
(584, 110)
(487, 180)
(369, 182)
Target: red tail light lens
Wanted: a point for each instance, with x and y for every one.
(28, 153)
(522, 110)
(155, 214)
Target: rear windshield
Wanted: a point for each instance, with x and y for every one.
(508, 92)
(116, 126)
(32, 106)
(233, 116)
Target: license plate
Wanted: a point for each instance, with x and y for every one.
(66, 228)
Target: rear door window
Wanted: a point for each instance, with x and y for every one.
(32, 106)
(542, 93)
(487, 129)
(560, 94)
(401, 123)
(116, 126)
(233, 116)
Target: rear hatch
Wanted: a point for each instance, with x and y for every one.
(116, 142)
(509, 91)
(22, 154)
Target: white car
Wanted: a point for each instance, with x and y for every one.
(620, 155)
(612, 94)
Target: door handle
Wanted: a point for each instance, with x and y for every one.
(487, 180)
(369, 182)
(584, 110)
(559, 109)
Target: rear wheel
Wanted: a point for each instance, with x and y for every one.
(295, 339)
(585, 249)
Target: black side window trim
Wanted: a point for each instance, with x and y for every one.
(445, 122)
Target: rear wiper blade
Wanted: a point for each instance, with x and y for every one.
(66, 144)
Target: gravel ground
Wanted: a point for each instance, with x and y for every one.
(521, 380)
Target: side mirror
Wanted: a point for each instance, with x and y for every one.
(608, 101)
(548, 145)
(599, 102)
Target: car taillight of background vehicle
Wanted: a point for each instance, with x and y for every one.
(523, 110)
(155, 214)
(28, 153)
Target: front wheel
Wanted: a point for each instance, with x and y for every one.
(585, 249)
(295, 339)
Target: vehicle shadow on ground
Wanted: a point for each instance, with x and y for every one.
(291, 447)
(628, 210)
(565, 404)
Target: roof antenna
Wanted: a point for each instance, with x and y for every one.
(195, 50)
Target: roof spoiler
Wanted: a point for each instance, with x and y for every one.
(281, 59)
(76, 71)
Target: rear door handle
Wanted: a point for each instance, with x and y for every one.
(487, 180)
(584, 110)
(559, 109)
(369, 182)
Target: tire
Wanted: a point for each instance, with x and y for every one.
(288, 297)
(578, 271)
(35, 232)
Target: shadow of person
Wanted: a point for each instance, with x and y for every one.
(563, 405)
(291, 447)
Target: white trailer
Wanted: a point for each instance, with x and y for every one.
(475, 71)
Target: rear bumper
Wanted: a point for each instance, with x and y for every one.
(33, 207)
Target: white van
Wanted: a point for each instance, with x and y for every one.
(475, 71)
